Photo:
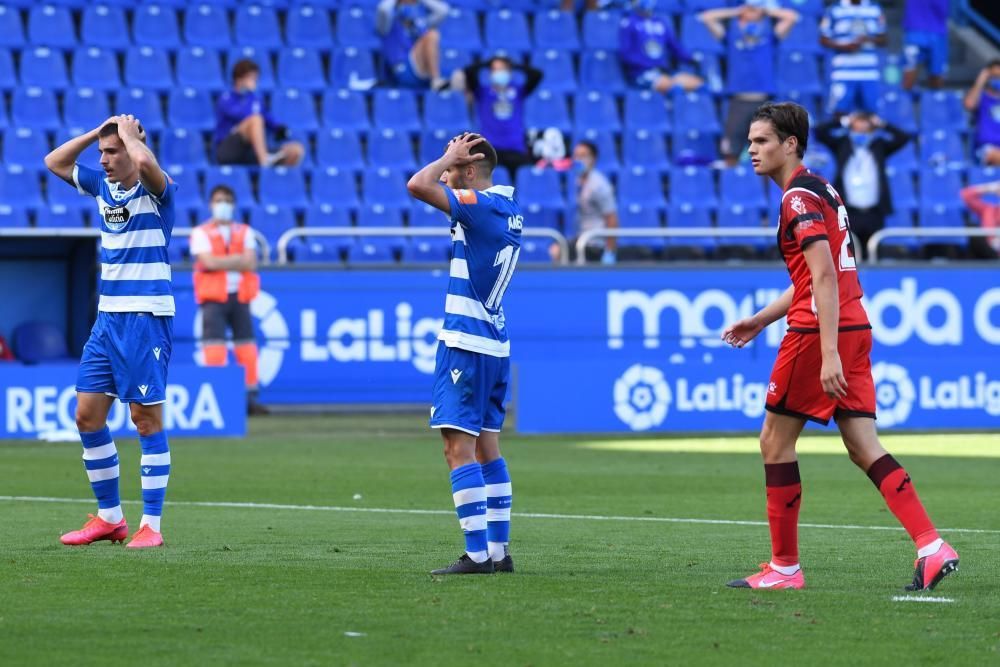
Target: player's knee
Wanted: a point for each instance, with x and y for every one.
(145, 423)
(432, 37)
(85, 421)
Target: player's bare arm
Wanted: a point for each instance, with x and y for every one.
(63, 158)
(714, 20)
(785, 20)
(976, 92)
(819, 258)
(425, 185)
(133, 137)
(742, 332)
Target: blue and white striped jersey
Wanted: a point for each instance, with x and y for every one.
(135, 230)
(845, 22)
(486, 231)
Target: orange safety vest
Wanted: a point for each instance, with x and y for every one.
(211, 285)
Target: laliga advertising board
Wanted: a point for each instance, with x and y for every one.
(619, 350)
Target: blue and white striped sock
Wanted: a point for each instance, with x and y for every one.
(498, 502)
(469, 492)
(155, 469)
(100, 458)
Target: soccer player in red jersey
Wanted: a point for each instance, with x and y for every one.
(823, 368)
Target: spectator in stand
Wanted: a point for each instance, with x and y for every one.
(925, 41)
(752, 35)
(647, 47)
(499, 100)
(596, 207)
(242, 125)
(854, 31)
(588, 5)
(988, 213)
(861, 143)
(983, 100)
(411, 43)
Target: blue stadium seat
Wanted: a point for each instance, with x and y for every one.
(821, 160)
(25, 147)
(696, 37)
(148, 67)
(557, 70)
(373, 250)
(897, 108)
(900, 219)
(804, 36)
(547, 109)
(396, 110)
(642, 148)
(104, 27)
(326, 215)
(377, 215)
(607, 152)
(905, 158)
(600, 70)
(8, 75)
(13, 216)
(695, 110)
(943, 148)
(812, 8)
(188, 195)
(207, 25)
(600, 30)
(200, 68)
(44, 67)
(978, 175)
(339, 148)
(738, 216)
(59, 215)
(20, 187)
(143, 104)
(427, 250)
(797, 74)
(942, 215)
(61, 193)
(345, 110)
(283, 186)
(11, 28)
(540, 186)
(686, 215)
(335, 187)
(308, 27)
(904, 194)
(507, 31)
(265, 81)
(386, 187)
(97, 68)
(191, 109)
(302, 69)
(555, 29)
(940, 186)
(638, 216)
(353, 69)
(85, 107)
(318, 249)
(694, 186)
(596, 110)
(454, 59)
(155, 26)
(461, 30)
(38, 342)
(447, 109)
(257, 26)
(942, 110)
(272, 220)
(693, 147)
(296, 109)
(741, 186)
(534, 251)
(539, 216)
(181, 146)
(236, 178)
(646, 110)
(638, 185)
(51, 26)
(390, 149)
(425, 215)
(501, 176)
(356, 27)
(34, 108)
(91, 156)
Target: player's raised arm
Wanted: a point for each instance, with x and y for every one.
(133, 137)
(426, 186)
(62, 159)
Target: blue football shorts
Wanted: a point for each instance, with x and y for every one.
(126, 357)
(929, 49)
(469, 390)
(405, 75)
(849, 96)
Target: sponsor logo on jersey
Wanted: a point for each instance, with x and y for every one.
(116, 217)
(798, 205)
(465, 196)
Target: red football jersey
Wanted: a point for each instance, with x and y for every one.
(812, 210)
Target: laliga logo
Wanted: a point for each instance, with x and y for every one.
(642, 397)
(894, 393)
(264, 309)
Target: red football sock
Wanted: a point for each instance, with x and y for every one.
(784, 493)
(892, 481)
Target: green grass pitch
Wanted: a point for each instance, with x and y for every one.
(330, 580)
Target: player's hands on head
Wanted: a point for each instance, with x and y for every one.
(742, 332)
(831, 376)
(458, 149)
(129, 126)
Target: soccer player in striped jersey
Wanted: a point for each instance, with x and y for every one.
(129, 347)
(473, 357)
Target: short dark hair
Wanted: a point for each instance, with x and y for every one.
(224, 189)
(994, 63)
(788, 119)
(590, 146)
(244, 67)
(485, 148)
(501, 59)
(111, 130)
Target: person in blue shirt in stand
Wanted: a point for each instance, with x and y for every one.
(752, 35)
(983, 100)
(854, 31)
(242, 125)
(411, 43)
(925, 41)
(647, 47)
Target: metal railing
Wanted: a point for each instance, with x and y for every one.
(299, 232)
(905, 232)
(686, 232)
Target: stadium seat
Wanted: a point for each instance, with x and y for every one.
(326, 215)
(97, 68)
(200, 68)
(265, 81)
(904, 194)
(941, 215)
(978, 175)
(188, 195)
(155, 26)
(353, 69)
(454, 59)
(635, 215)
(302, 69)
(897, 108)
(600, 70)
(59, 215)
(181, 146)
(257, 26)
(539, 216)
(44, 67)
(377, 215)
(283, 186)
(942, 110)
(356, 27)
(319, 249)
(540, 186)
(534, 251)
(646, 110)
(501, 176)
(148, 67)
(943, 148)
(191, 109)
(607, 151)
(38, 342)
(696, 37)
(737, 216)
(390, 149)
(425, 215)
(143, 104)
(51, 26)
(60, 193)
(687, 215)
(642, 148)
(899, 219)
(296, 109)
(8, 75)
(345, 110)
(693, 186)
(940, 186)
(104, 27)
(447, 109)
(34, 108)
(272, 221)
(25, 146)
(308, 27)
(427, 250)
(395, 110)
(339, 148)
(804, 37)
(85, 107)
(460, 30)
(20, 187)
(556, 29)
(374, 250)
(386, 187)
(206, 25)
(557, 70)
(507, 31)
(740, 186)
(596, 110)
(813, 8)
(695, 111)
(693, 147)
(11, 28)
(797, 74)
(547, 109)
(433, 142)
(236, 178)
(13, 216)
(335, 187)
(600, 30)
(638, 185)
(904, 158)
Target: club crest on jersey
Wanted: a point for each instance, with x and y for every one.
(798, 205)
(116, 217)
(465, 196)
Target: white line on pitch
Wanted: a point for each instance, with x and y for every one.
(913, 598)
(520, 515)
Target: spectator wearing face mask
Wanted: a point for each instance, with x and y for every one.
(596, 207)
(648, 49)
(499, 88)
(225, 282)
(983, 100)
(862, 143)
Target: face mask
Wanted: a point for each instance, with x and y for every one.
(994, 83)
(583, 165)
(500, 77)
(645, 5)
(223, 210)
